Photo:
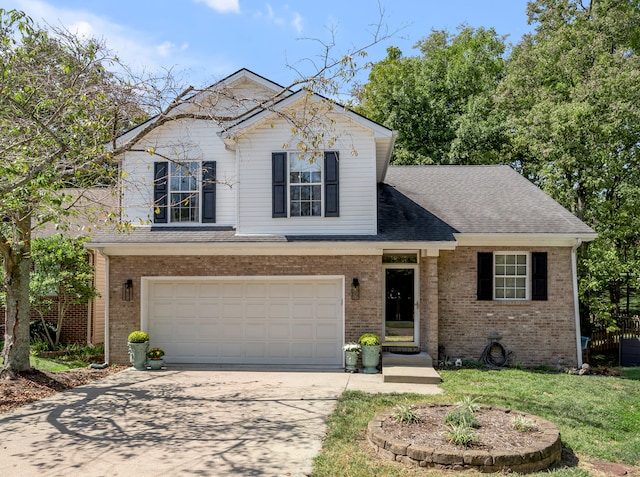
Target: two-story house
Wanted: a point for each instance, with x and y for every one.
(247, 250)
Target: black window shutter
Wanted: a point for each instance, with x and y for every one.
(539, 276)
(331, 186)
(160, 192)
(279, 184)
(485, 276)
(209, 192)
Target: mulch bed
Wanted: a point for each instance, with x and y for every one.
(30, 386)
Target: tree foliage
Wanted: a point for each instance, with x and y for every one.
(572, 101)
(62, 276)
(65, 103)
(441, 101)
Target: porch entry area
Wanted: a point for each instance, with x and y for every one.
(401, 303)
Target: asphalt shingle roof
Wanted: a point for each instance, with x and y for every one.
(484, 199)
(416, 203)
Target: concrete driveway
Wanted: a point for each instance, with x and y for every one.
(181, 422)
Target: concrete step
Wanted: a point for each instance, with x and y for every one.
(409, 368)
(396, 359)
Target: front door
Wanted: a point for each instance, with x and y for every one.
(401, 303)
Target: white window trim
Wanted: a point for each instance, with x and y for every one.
(527, 276)
(320, 161)
(170, 191)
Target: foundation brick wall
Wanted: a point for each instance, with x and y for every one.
(363, 315)
(536, 332)
(74, 326)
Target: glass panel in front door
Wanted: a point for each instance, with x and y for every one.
(399, 304)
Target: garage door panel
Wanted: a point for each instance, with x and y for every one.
(326, 351)
(279, 290)
(302, 331)
(256, 321)
(326, 331)
(255, 330)
(232, 290)
(209, 290)
(232, 331)
(327, 290)
(279, 331)
(279, 351)
(232, 310)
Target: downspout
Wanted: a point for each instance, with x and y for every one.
(106, 304)
(576, 300)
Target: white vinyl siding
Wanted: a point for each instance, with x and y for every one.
(198, 142)
(358, 189)
(240, 320)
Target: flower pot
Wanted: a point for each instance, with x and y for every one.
(351, 360)
(138, 355)
(370, 359)
(155, 364)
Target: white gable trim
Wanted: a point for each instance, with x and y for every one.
(521, 240)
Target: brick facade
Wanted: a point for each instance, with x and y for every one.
(363, 315)
(74, 326)
(536, 332)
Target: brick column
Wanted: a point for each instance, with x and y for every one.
(432, 303)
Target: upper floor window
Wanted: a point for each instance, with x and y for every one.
(304, 185)
(184, 192)
(184, 203)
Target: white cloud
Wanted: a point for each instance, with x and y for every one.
(277, 19)
(164, 49)
(222, 6)
(297, 22)
(133, 47)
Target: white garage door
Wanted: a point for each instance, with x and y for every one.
(250, 321)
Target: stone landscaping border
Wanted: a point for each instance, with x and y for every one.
(546, 451)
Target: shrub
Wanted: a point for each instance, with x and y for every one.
(522, 424)
(406, 414)
(468, 404)
(138, 337)
(38, 332)
(369, 339)
(461, 435)
(461, 417)
(155, 353)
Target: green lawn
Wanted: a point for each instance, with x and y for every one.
(598, 417)
(75, 357)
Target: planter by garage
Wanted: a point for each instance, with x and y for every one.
(371, 345)
(138, 355)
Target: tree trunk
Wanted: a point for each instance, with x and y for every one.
(18, 311)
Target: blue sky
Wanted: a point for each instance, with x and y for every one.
(210, 39)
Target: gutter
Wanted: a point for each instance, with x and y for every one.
(576, 300)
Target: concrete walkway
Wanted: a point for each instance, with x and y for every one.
(196, 421)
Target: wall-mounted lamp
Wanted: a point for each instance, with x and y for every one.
(127, 290)
(355, 289)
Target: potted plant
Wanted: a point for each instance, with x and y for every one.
(155, 358)
(351, 352)
(138, 344)
(370, 343)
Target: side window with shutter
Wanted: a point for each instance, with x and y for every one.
(485, 276)
(539, 276)
(209, 192)
(331, 185)
(160, 192)
(279, 184)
